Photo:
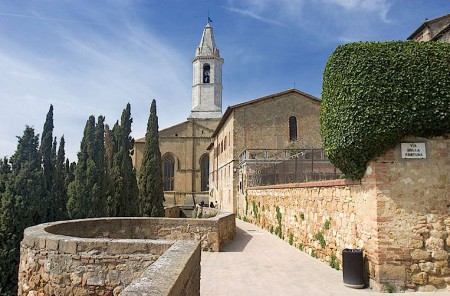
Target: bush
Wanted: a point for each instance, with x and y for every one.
(333, 261)
(321, 239)
(255, 209)
(375, 93)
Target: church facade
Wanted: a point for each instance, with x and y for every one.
(183, 146)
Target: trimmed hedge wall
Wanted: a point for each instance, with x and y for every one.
(375, 93)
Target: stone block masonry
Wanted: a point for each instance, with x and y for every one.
(103, 256)
(399, 215)
(60, 265)
(176, 273)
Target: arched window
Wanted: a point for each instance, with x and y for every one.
(168, 172)
(204, 170)
(206, 73)
(292, 128)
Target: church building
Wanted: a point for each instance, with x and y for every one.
(200, 155)
(183, 146)
(272, 126)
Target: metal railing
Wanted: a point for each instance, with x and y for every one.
(270, 167)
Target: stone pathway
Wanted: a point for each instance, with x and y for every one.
(259, 263)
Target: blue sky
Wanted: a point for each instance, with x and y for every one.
(93, 57)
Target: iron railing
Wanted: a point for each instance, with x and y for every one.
(272, 166)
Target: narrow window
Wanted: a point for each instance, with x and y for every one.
(168, 172)
(292, 128)
(204, 170)
(206, 73)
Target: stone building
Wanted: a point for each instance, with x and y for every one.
(289, 119)
(437, 29)
(183, 146)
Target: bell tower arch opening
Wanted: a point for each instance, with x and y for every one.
(206, 73)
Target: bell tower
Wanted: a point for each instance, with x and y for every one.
(207, 78)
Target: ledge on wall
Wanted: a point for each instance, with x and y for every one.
(325, 183)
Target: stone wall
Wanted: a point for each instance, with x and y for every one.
(205, 230)
(102, 256)
(176, 273)
(320, 218)
(413, 217)
(172, 212)
(212, 232)
(60, 265)
(399, 215)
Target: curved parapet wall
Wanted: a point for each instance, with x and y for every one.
(212, 232)
(103, 256)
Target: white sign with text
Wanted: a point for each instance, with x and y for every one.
(413, 150)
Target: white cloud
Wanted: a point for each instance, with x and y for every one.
(90, 72)
(325, 20)
(254, 15)
(379, 7)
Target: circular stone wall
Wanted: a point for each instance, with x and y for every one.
(102, 256)
(90, 256)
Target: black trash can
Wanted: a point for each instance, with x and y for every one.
(353, 268)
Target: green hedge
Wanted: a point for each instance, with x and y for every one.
(375, 93)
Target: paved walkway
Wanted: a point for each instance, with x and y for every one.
(259, 263)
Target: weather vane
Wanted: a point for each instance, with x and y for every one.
(209, 19)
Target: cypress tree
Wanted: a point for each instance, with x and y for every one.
(59, 184)
(78, 191)
(87, 193)
(110, 185)
(48, 150)
(125, 196)
(69, 171)
(21, 205)
(97, 171)
(151, 191)
(5, 171)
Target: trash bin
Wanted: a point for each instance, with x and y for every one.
(353, 268)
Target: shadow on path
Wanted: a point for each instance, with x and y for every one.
(239, 243)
